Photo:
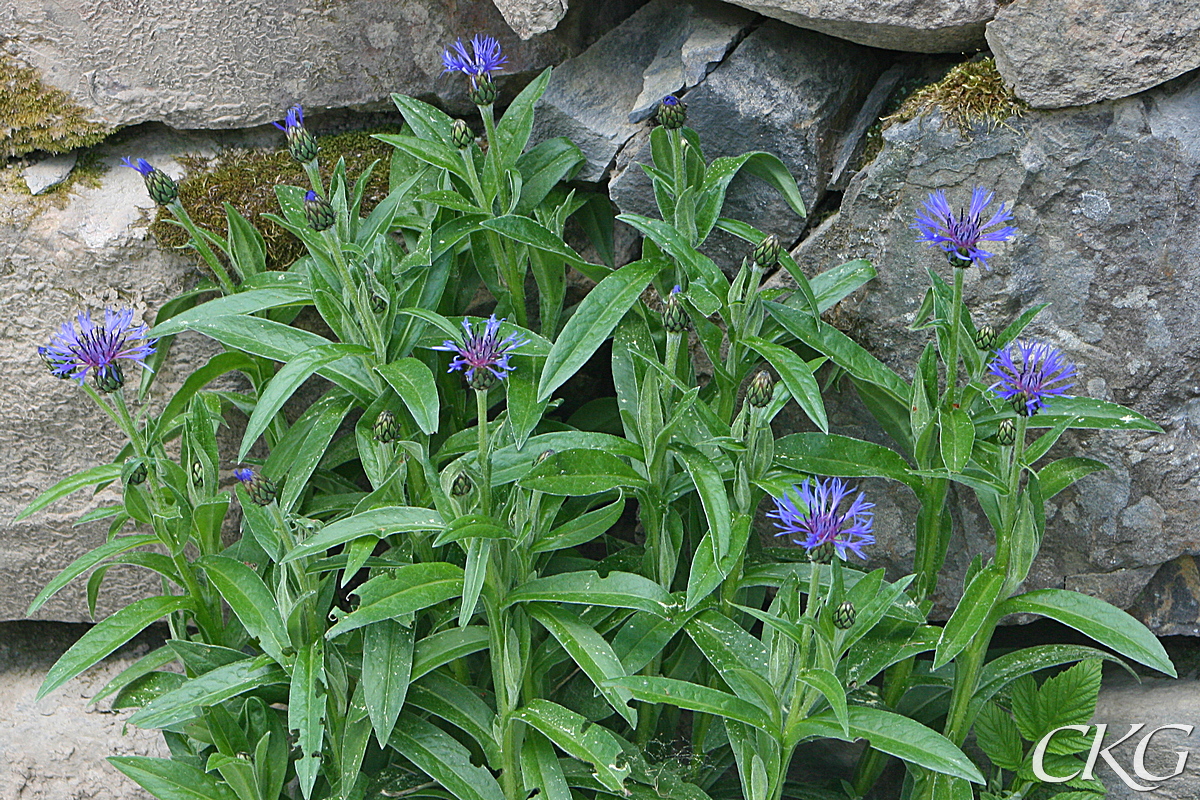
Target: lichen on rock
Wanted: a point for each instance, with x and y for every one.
(34, 116)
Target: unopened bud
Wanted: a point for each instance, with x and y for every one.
(822, 553)
(109, 378)
(843, 617)
(675, 316)
(1006, 434)
(318, 212)
(483, 91)
(1020, 404)
(672, 113)
(761, 389)
(766, 254)
(385, 428)
(261, 489)
(461, 134)
(462, 485)
(137, 475)
(161, 188)
(197, 473)
(378, 303)
(985, 338)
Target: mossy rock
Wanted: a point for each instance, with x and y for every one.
(246, 179)
(34, 116)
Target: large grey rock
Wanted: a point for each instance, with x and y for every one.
(1106, 203)
(1059, 53)
(920, 26)
(530, 17)
(784, 91)
(600, 98)
(228, 64)
(57, 259)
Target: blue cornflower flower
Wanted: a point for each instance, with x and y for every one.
(817, 520)
(485, 60)
(484, 355)
(301, 144)
(294, 119)
(262, 490)
(96, 349)
(1039, 375)
(959, 236)
(142, 165)
(159, 184)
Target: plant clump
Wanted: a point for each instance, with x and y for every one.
(34, 116)
(971, 93)
(246, 179)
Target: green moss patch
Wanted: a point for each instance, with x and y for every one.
(246, 179)
(972, 93)
(34, 116)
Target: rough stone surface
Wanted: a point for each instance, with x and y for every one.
(600, 98)
(55, 748)
(49, 172)
(1105, 199)
(528, 18)
(785, 91)
(231, 64)
(1170, 603)
(1153, 702)
(57, 259)
(1060, 53)
(920, 26)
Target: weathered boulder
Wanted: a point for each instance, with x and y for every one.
(83, 247)
(1105, 199)
(228, 64)
(919, 26)
(530, 17)
(600, 98)
(785, 91)
(1059, 53)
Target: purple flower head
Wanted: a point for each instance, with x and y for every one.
(1028, 373)
(959, 235)
(244, 474)
(484, 59)
(294, 119)
(483, 355)
(97, 349)
(670, 100)
(143, 166)
(816, 521)
(262, 490)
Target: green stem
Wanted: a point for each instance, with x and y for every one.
(485, 462)
(202, 247)
(1008, 512)
(956, 306)
(366, 318)
(513, 277)
(967, 667)
(314, 178)
(679, 176)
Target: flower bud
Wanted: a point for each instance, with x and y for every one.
(675, 316)
(985, 338)
(137, 475)
(957, 260)
(301, 144)
(843, 617)
(1006, 434)
(461, 134)
(1020, 404)
(462, 485)
(109, 378)
(671, 113)
(766, 254)
(261, 489)
(761, 389)
(378, 303)
(197, 473)
(385, 428)
(543, 456)
(318, 212)
(161, 188)
(822, 553)
(483, 91)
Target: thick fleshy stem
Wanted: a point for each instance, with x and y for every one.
(201, 244)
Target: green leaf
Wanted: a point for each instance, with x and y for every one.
(167, 779)
(970, 614)
(699, 267)
(414, 382)
(404, 590)
(251, 601)
(445, 646)
(426, 121)
(693, 697)
(834, 285)
(998, 737)
(841, 456)
(589, 650)
(247, 248)
(578, 473)
(576, 736)
(541, 770)
(797, 376)
(1068, 698)
(530, 232)
(515, 126)
(1058, 475)
(831, 689)
(593, 321)
(461, 706)
(895, 735)
(378, 522)
(430, 151)
(159, 657)
(615, 590)
(211, 688)
(582, 529)
(473, 526)
(442, 758)
(306, 711)
(1107, 624)
(106, 473)
(543, 166)
(107, 636)
(85, 562)
(958, 437)
(713, 497)
(734, 653)
(1086, 413)
(387, 667)
(240, 304)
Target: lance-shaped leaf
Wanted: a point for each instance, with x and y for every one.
(402, 591)
(387, 666)
(615, 590)
(413, 381)
(442, 758)
(378, 522)
(172, 780)
(218, 685)
(251, 601)
(694, 697)
(306, 711)
(576, 473)
(576, 736)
